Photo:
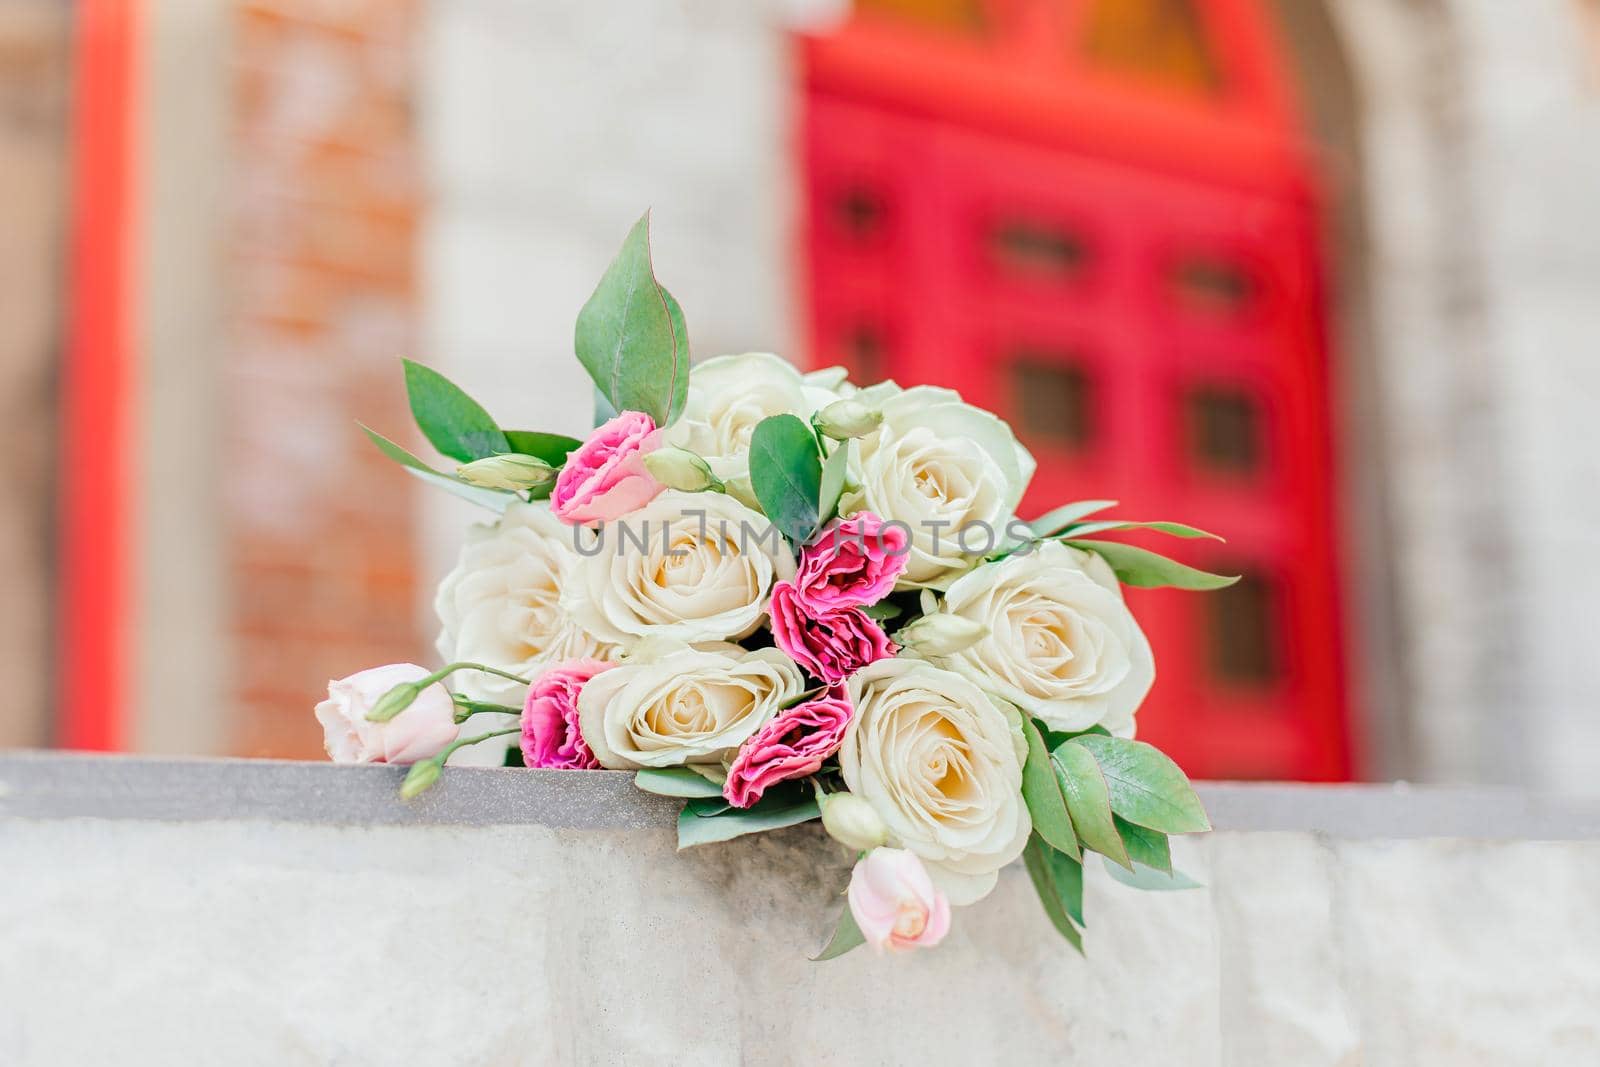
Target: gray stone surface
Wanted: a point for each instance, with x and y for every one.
(175, 912)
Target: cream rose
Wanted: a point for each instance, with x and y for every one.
(671, 705)
(729, 395)
(688, 566)
(942, 765)
(501, 606)
(1061, 642)
(940, 467)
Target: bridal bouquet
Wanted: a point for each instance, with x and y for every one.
(783, 597)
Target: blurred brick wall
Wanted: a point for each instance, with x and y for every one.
(34, 56)
(322, 250)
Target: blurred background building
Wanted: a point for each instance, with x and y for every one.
(1319, 274)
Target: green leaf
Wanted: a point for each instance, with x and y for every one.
(675, 782)
(786, 474)
(1060, 890)
(696, 829)
(1053, 522)
(1142, 877)
(1042, 793)
(1146, 787)
(452, 421)
(883, 611)
(1176, 529)
(603, 411)
(1145, 846)
(631, 336)
(1147, 570)
(846, 936)
(553, 448)
(833, 474)
(1089, 801)
(493, 499)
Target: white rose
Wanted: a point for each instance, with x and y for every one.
(674, 705)
(1061, 642)
(688, 566)
(939, 466)
(501, 606)
(729, 395)
(942, 764)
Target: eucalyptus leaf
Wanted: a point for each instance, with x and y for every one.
(1145, 846)
(846, 936)
(1053, 522)
(1148, 570)
(786, 474)
(553, 448)
(833, 475)
(603, 411)
(1042, 793)
(452, 421)
(1175, 529)
(707, 829)
(1042, 863)
(883, 611)
(1149, 879)
(675, 782)
(496, 500)
(1089, 801)
(1146, 787)
(631, 337)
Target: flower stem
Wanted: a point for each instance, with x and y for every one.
(450, 668)
(464, 742)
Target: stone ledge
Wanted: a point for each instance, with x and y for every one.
(51, 785)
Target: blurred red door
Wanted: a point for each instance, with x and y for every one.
(1097, 219)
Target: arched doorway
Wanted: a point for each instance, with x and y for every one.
(1100, 219)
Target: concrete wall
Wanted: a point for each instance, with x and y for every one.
(285, 914)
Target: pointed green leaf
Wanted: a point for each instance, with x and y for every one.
(1089, 801)
(1148, 570)
(553, 448)
(1145, 846)
(494, 499)
(883, 611)
(1175, 529)
(1060, 892)
(1146, 787)
(631, 338)
(1042, 793)
(675, 782)
(452, 421)
(786, 474)
(1053, 522)
(696, 829)
(1146, 878)
(833, 474)
(846, 936)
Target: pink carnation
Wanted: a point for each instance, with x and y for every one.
(853, 562)
(550, 734)
(832, 645)
(792, 745)
(605, 479)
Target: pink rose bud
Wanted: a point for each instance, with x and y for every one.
(419, 732)
(895, 903)
(831, 645)
(853, 562)
(605, 478)
(792, 745)
(550, 734)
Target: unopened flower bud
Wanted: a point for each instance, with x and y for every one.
(844, 419)
(941, 634)
(394, 702)
(743, 491)
(507, 471)
(851, 821)
(420, 778)
(678, 468)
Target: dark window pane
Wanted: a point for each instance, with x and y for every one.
(863, 351)
(860, 212)
(1214, 286)
(1052, 398)
(1036, 249)
(1225, 433)
(1242, 632)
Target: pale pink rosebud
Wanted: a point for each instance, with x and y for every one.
(895, 903)
(419, 732)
